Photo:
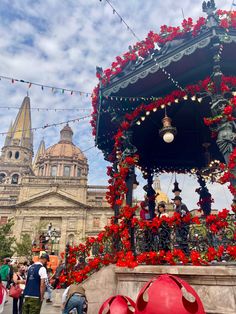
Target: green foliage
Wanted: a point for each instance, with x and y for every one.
(23, 248)
(6, 239)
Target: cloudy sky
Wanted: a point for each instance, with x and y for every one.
(59, 43)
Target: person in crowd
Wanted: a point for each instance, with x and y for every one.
(57, 273)
(144, 212)
(74, 298)
(35, 285)
(49, 288)
(19, 278)
(3, 294)
(182, 230)
(164, 230)
(5, 272)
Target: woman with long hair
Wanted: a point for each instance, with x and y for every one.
(19, 278)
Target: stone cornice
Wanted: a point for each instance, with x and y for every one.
(202, 275)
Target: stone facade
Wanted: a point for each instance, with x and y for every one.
(50, 193)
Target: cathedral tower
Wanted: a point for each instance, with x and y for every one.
(17, 152)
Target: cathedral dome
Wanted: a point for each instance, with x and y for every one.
(62, 159)
(68, 150)
(65, 147)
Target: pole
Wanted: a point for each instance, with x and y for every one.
(129, 202)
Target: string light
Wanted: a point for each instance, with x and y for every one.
(42, 86)
(49, 125)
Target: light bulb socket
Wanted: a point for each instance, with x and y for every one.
(167, 127)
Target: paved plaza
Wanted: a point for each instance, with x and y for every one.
(46, 308)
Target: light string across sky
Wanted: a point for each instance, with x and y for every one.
(49, 125)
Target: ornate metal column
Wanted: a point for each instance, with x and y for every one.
(129, 151)
(226, 130)
(151, 195)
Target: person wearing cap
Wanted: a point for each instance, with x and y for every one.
(74, 298)
(182, 230)
(35, 286)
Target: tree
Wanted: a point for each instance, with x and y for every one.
(23, 248)
(6, 239)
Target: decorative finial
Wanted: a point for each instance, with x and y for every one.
(176, 189)
(209, 7)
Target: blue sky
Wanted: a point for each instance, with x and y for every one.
(60, 43)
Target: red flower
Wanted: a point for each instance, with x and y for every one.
(119, 202)
(228, 110)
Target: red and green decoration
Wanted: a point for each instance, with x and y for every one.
(215, 223)
(227, 19)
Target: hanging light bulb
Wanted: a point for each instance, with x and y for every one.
(193, 97)
(185, 97)
(138, 122)
(176, 100)
(154, 109)
(147, 113)
(143, 118)
(199, 99)
(167, 132)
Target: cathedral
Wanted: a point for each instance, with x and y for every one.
(48, 195)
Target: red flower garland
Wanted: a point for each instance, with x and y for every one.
(125, 258)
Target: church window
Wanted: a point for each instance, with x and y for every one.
(96, 222)
(2, 176)
(9, 154)
(71, 239)
(17, 155)
(15, 179)
(41, 171)
(78, 172)
(66, 171)
(53, 171)
(3, 220)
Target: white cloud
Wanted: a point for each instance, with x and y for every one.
(60, 43)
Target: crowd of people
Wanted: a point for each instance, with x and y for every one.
(29, 284)
(163, 234)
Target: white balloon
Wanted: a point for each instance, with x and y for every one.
(168, 137)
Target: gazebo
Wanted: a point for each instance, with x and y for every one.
(167, 105)
(185, 74)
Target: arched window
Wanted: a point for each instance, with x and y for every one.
(17, 155)
(15, 178)
(78, 172)
(9, 154)
(53, 171)
(66, 172)
(2, 177)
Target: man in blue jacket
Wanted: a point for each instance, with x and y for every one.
(35, 286)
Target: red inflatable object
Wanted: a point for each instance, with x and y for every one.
(118, 304)
(168, 294)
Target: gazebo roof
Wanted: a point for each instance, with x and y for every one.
(183, 61)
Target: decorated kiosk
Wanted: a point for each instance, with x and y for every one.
(167, 105)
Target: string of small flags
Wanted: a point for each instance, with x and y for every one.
(54, 89)
(122, 19)
(49, 125)
(48, 109)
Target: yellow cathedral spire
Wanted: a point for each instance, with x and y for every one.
(21, 130)
(40, 152)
